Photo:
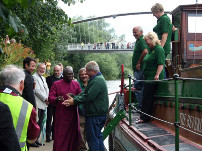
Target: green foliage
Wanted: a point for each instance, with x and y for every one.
(93, 32)
(107, 64)
(23, 3)
(38, 24)
(44, 21)
(10, 22)
(69, 2)
(14, 54)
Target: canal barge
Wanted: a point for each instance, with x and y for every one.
(160, 134)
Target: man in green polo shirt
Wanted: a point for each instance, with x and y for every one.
(140, 51)
(83, 81)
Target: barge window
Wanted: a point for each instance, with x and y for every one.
(194, 23)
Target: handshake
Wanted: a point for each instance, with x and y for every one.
(69, 101)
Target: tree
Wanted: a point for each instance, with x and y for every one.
(35, 23)
(11, 22)
(93, 31)
(14, 54)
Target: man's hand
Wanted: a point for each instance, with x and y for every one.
(69, 101)
(47, 102)
(156, 77)
(60, 98)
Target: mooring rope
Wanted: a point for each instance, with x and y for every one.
(165, 121)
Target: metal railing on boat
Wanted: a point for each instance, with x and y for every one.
(176, 123)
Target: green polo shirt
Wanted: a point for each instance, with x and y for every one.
(155, 57)
(164, 25)
(82, 86)
(80, 106)
(140, 45)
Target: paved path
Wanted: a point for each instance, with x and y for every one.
(48, 147)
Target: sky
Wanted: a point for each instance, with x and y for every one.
(123, 25)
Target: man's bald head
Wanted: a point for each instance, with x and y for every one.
(68, 74)
(57, 71)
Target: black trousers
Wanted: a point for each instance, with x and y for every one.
(148, 100)
(50, 121)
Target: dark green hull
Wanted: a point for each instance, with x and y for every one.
(159, 135)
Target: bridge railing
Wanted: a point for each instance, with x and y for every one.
(109, 46)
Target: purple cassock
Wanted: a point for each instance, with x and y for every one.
(67, 129)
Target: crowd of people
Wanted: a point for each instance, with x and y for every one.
(76, 110)
(25, 97)
(106, 45)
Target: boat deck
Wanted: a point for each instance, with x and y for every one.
(158, 137)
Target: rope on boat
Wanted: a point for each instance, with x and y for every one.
(165, 121)
(113, 93)
(152, 116)
(164, 80)
(189, 130)
(194, 79)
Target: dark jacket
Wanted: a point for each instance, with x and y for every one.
(8, 137)
(51, 79)
(28, 92)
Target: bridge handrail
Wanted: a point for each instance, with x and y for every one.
(114, 16)
(77, 46)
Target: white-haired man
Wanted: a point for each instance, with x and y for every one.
(23, 113)
(139, 52)
(96, 102)
(41, 93)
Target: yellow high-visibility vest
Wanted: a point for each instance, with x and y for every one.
(21, 112)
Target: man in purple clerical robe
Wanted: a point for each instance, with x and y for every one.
(67, 131)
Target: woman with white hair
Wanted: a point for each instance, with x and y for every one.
(154, 63)
(163, 28)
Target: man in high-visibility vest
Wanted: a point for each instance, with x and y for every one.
(23, 112)
(7, 131)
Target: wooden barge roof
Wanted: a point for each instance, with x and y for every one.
(187, 7)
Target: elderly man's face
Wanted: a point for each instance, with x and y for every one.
(68, 75)
(41, 69)
(83, 76)
(90, 73)
(136, 33)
